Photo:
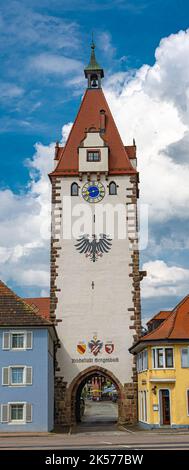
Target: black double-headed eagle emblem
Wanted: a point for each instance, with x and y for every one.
(95, 247)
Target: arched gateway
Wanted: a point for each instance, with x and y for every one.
(95, 277)
(77, 384)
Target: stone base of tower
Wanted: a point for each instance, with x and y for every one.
(67, 397)
(129, 407)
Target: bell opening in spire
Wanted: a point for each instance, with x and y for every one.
(93, 72)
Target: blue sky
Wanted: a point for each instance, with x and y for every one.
(44, 46)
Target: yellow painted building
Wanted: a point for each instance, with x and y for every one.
(162, 357)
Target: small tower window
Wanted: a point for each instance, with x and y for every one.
(74, 189)
(93, 156)
(94, 81)
(112, 188)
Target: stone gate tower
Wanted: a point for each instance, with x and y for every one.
(95, 277)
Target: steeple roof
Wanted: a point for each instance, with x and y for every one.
(93, 64)
(88, 117)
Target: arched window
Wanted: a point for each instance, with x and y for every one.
(74, 189)
(112, 188)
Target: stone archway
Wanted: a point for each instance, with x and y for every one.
(66, 395)
(80, 379)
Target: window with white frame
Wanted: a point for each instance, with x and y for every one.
(16, 413)
(184, 357)
(169, 358)
(162, 358)
(17, 375)
(142, 361)
(17, 340)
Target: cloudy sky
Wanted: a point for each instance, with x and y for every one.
(143, 46)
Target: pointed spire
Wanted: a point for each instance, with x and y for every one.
(93, 66)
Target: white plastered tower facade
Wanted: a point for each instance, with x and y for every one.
(95, 277)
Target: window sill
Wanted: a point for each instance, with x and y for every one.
(162, 368)
(16, 422)
(17, 385)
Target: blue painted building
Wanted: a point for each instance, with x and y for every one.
(27, 345)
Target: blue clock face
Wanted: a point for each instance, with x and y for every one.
(93, 191)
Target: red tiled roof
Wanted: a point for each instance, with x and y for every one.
(89, 117)
(176, 326)
(42, 304)
(14, 311)
(131, 151)
(162, 315)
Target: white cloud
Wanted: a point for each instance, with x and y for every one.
(22, 26)
(55, 64)
(10, 91)
(33, 277)
(65, 132)
(105, 39)
(164, 280)
(151, 105)
(25, 226)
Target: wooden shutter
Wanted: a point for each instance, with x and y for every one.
(4, 413)
(29, 337)
(6, 340)
(28, 375)
(28, 413)
(5, 376)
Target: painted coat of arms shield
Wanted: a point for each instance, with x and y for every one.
(95, 346)
(109, 348)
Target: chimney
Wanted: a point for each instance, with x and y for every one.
(56, 151)
(102, 121)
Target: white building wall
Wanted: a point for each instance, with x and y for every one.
(102, 311)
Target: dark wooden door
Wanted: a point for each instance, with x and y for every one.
(165, 406)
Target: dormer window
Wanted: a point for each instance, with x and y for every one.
(93, 155)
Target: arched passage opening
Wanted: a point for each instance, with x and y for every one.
(96, 396)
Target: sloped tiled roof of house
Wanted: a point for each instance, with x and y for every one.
(174, 328)
(14, 311)
(162, 315)
(41, 305)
